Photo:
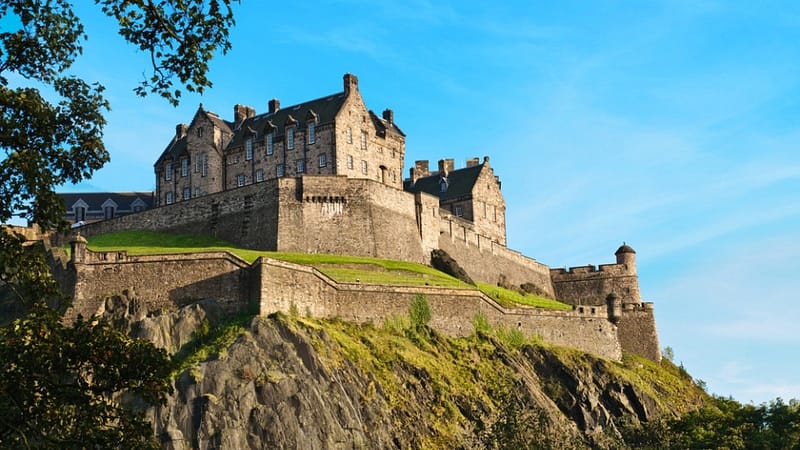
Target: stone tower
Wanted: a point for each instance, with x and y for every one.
(627, 256)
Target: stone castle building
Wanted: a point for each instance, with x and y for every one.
(324, 176)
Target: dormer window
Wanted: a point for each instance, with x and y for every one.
(312, 133)
(443, 184)
(290, 139)
(248, 146)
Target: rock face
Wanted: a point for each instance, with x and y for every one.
(300, 383)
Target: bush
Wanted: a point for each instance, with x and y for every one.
(420, 312)
(481, 323)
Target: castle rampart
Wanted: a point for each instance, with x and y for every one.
(161, 282)
(487, 260)
(590, 285)
(454, 310)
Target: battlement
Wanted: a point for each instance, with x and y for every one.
(605, 269)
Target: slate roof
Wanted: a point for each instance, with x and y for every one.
(459, 183)
(175, 149)
(624, 248)
(95, 200)
(325, 109)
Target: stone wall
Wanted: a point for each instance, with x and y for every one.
(486, 260)
(162, 282)
(590, 285)
(637, 331)
(454, 310)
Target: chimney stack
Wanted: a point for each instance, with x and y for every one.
(446, 166)
(472, 162)
(180, 130)
(388, 115)
(419, 170)
(274, 105)
(241, 113)
(350, 83)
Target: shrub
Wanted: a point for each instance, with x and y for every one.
(419, 312)
(481, 323)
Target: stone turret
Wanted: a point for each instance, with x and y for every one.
(627, 256)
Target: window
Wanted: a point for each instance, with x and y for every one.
(270, 149)
(138, 208)
(108, 212)
(184, 167)
(363, 140)
(312, 133)
(199, 131)
(364, 167)
(459, 211)
(80, 213)
(248, 148)
(187, 193)
(483, 204)
(393, 154)
(197, 162)
(240, 179)
(169, 198)
(301, 165)
(279, 170)
(259, 176)
(494, 213)
(205, 164)
(168, 171)
(290, 138)
(349, 134)
(349, 161)
(323, 160)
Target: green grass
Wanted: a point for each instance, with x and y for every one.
(509, 298)
(342, 268)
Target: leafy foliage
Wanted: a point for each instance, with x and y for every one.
(59, 383)
(419, 313)
(725, 423)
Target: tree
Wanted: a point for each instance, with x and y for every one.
(47, 366)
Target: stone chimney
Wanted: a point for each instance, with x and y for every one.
(350, 83)
(388, 115)
(419, 170)
(446, 166)
(472, 162)
(180, 130)
(274, 105)
(240, 113)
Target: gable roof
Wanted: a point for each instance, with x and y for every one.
(459, 183)
(325, 109)
(95, 200)
(383, 125)
(175, 149)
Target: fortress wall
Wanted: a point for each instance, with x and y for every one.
(590, 285)
(349, 216)
(485, 260)
(637, 331)
(163, 282)
(454, 310)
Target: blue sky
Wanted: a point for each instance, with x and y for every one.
(671, 125)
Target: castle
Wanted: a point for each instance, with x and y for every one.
(325, 176)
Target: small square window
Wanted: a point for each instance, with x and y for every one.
(290, 139)
(459, 211)
(323, 159)
(187, 193)
(259, 176)
(280, 170)
(240, 179)
(301, 165)
(170, 199)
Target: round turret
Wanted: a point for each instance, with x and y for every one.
(626, 255)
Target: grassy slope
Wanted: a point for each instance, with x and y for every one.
(341, 268)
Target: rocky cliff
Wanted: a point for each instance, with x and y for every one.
(296, 382)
